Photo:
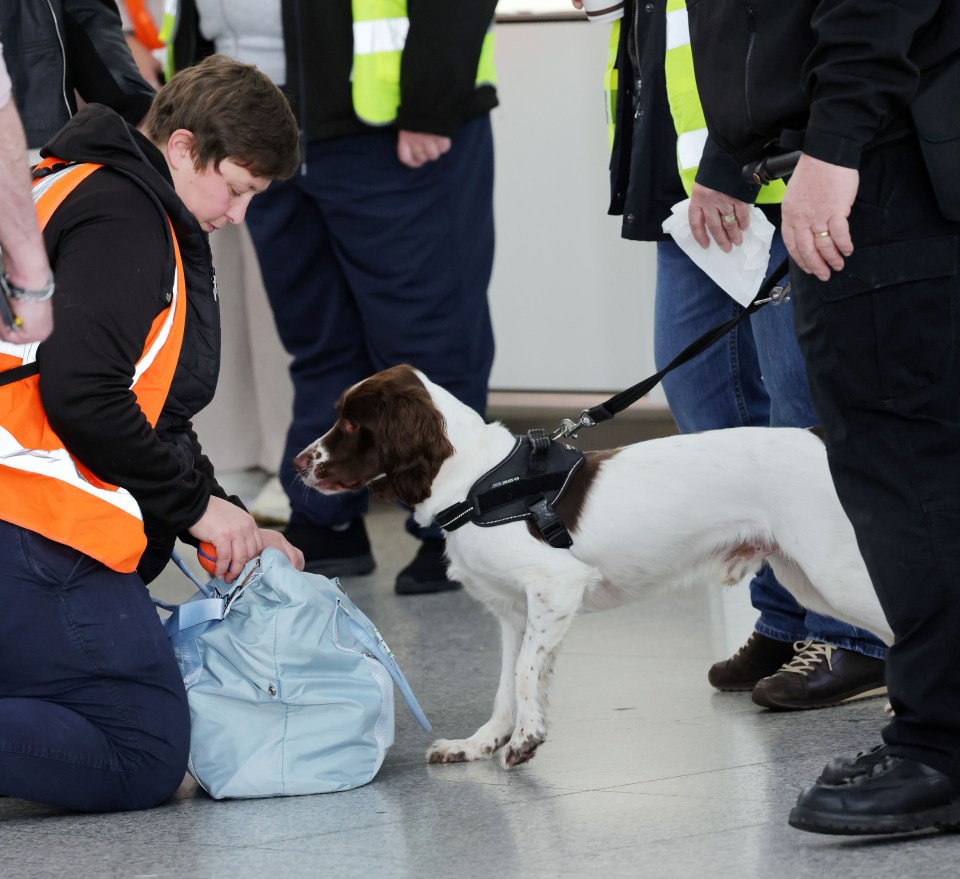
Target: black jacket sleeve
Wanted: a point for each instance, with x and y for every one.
(860, 73)
(439, 68)
(112, 263)
(102, 70)
(720, 171)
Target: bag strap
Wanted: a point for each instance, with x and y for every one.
(16, 373)
(378, 647)
(191, 619)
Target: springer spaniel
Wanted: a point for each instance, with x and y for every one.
(707, 507)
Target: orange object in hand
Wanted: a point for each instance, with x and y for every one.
(207, 556)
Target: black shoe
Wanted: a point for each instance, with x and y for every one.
(759, 657)
(841, 769)
(427, 572)
(820, 676)
(897, 795)
(333, 552)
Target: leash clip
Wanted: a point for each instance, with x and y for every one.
(569, 428)
(778, 295)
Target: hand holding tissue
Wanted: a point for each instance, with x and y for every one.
(739, 272)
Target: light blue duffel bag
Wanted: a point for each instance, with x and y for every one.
(290, 685)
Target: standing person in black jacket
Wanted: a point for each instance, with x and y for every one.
(871, 219)
(100, 470)
(55, 48)
(380, 250)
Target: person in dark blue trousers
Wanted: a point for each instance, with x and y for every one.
(100, 470)
(380, 250)
(89, 723)
(388, 265)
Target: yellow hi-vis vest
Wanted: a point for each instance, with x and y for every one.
(685, 104)
(42, 486)
(168, 30)
(611, 81)
(379, 35)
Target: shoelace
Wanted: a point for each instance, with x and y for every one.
(809, 654)
(746, 646)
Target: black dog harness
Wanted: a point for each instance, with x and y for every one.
(527, 484)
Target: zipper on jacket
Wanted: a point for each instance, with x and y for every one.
(63, 57)
(635, 60)
(751, 41)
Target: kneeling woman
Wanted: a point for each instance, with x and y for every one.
(100, 470)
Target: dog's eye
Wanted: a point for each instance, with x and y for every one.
(349, 425)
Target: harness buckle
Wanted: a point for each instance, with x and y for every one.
(549, 525)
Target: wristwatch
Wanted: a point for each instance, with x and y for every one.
(26, 294)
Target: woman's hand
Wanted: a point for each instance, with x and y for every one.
(276, 540)
(235, 534)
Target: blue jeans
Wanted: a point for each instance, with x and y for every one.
(755, 376)
(93, 712)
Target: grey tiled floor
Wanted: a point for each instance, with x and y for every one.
(647, 771)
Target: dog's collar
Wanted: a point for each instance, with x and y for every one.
(527, 484)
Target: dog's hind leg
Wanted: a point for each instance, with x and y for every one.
(552, 603)
(496, 731)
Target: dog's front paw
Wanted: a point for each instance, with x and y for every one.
(522, 747)
(457, 751)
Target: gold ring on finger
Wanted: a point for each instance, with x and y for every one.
(821, 234)
(728, 219)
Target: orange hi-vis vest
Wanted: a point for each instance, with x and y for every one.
(42, 486)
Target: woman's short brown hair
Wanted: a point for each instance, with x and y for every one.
(234, 112)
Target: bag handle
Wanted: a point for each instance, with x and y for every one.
(191, 619)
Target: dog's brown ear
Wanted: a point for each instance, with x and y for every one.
(412, 444)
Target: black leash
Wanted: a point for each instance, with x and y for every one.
(771, 291)
(762, 171)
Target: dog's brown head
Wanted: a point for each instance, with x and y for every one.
(389, 436)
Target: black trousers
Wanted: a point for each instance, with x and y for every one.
(882, 344)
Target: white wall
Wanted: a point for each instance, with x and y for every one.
(572, 302)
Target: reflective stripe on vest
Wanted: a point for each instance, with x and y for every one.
(379, 35)
(611, 81)
(42, 486)
(685, 105)
(168, 30)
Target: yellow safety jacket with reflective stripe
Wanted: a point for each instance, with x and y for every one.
(685, 104)
(379, 35)
(42, 486)
(611, 81)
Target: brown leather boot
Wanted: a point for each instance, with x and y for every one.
(758, 658)
(820, 676)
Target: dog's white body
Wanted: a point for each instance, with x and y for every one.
(703, 508)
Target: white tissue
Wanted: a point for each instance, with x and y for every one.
(740, 272)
